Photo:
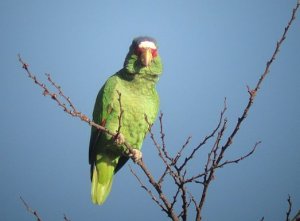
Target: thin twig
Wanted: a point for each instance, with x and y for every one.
(66, 218)
(61, 92)
(185, 203)
(162, 177)
(297, 216)
(148, 190)
(121, 113)
(171, 213)
(179, 153)
(162, 136)
(187, 159)
(161, 154)
(28, 208)
(241, 158)
(288, 212)
(175, 197)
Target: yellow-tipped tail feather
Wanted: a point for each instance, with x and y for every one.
(102, 179)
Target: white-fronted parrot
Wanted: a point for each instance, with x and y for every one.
(136, 83)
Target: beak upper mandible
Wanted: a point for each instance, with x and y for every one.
(146, 57)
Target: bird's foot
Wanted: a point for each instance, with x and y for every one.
(136, 155)
(119, 139)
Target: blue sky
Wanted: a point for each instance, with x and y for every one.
(210, 50)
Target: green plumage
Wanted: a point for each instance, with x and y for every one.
(136, 83)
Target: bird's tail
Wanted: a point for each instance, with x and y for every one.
(102, 179)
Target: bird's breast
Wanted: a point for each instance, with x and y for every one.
(136, 105)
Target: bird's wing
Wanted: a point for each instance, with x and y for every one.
(95, 134)
(121, 163)
(102, 109)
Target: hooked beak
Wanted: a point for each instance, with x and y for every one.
(146, 57)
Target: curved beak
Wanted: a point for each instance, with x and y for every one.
(146, 57)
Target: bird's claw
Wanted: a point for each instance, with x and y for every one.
(136, 155)
(119, 139)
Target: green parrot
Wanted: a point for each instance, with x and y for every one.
(136, 83)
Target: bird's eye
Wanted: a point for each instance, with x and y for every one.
(138, 51)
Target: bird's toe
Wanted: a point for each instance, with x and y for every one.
(119, 139)
(136, 155)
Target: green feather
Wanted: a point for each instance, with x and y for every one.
(102, 178)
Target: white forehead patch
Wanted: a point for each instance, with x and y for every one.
(147, 44)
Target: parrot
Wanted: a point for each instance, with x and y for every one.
(122, 104)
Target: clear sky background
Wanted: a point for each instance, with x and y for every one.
(210, 50)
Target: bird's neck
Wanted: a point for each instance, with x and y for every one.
(140, 79)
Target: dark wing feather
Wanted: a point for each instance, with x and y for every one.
(121, 163)
(96, 134)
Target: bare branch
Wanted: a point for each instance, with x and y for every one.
(61, 93)
(187, 159)
(66, 218)
(162, 136)
(158, 147)
(185, 204)
(289, 208)
(148, 190)
(241, 158)
(161, 153)
(179, 153)
(212, 156)
(195, 177)
(28, 208)
(297, 216)
(175, 197)
(161, 179)
(157, 187)
(253, 93)
(121, 112)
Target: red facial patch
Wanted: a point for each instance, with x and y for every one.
(154, 52)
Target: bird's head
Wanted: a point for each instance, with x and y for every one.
(143, 57)
(146, 51)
